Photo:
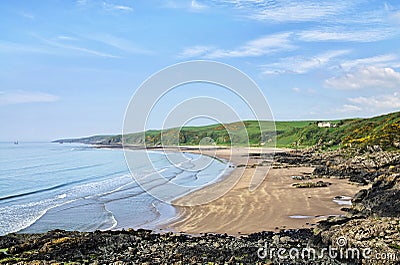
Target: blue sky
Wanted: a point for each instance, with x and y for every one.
(69, 68)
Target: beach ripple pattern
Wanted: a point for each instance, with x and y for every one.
(224, 76)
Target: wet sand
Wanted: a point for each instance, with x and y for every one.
(269, 207)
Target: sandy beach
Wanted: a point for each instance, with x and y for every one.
(273, 206)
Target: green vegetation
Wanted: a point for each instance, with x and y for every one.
(237, 133)
(394, 246)
(383, 131)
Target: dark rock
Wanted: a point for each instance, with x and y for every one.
(382, 199)
(318, 184)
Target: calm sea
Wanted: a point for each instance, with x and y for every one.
(45, 186)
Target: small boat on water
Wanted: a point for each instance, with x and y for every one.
(16, 142)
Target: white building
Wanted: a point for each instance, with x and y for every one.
(324, 124)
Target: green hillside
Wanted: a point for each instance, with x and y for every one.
(237, 133)
(382, 130)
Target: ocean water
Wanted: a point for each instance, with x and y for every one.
(45, 186)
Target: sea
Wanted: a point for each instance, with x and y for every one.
(47, 186)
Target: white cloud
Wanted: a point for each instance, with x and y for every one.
(367, 77)
(385, 60)
(300, 64)
(119, 43)
(285, 10)
(388, 7)
(325, 12)
(54, 46)
(193, 5)
(342, 34)
(67, 38)
(303, 90)
(27, 15)
(88, 51)
(348, 108)
(196, 51)
(258, 47)
(83, 50)
(19, 97)
(395, 17)
(107, 6)
(197, 6)
(296, 90)
(124, 8)
(81, 2)
(393, 14)
(113, 7)
(380, 102)
(299, 11)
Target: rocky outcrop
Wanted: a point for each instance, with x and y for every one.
(146, 247)
(382, 199)
(358, 166)
(373, 221)
(318, 184)
(377, 240)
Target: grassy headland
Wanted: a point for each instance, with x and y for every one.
(383, 131)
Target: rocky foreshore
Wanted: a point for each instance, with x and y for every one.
(373, 220)
(142, 247)
(145, 247)
(367, 233)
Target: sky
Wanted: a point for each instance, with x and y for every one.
(70, 68)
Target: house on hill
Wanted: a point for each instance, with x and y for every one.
(325, 124)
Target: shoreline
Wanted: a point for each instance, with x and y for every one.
(275, 205)
(161, 224)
